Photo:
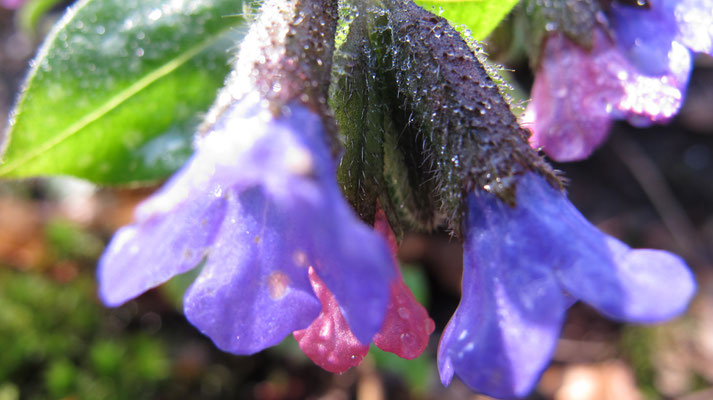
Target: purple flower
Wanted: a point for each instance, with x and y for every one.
(524, 266)
(260, 203)
(639, 75)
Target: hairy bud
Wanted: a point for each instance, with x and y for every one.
(453, 122)
(286, 56)
(374, 166)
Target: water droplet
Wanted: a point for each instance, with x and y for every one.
(155, 14)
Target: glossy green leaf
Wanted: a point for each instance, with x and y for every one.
(480, 16)
(117, 89)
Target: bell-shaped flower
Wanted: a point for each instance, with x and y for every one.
(524, 265)
(636, 71)
(331, 344)
(258, 203)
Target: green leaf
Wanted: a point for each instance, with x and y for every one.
(480, 16)
(116, 91)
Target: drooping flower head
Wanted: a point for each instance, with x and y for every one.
(524, 265)
(528, 253)
(259, 202)
(635, 66)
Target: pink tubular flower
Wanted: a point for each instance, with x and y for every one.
(330, 343)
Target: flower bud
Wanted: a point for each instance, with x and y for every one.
(286, 56)
(458, 132)
(372, 168)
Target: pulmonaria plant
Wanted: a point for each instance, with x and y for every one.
(260, 203)
(429, 141)
(528, 253)
(633, 63)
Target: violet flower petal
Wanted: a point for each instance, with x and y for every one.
(252, 291)
(350, 258)
(316, 227)
(630, 285)
(353, 262)
(157, 247)
(248, 146)
(503, 333)
(645, 35)
(643, 286)
(520, 265)
(650, 99)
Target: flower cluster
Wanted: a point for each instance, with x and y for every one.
(284, 253)
(636, 68)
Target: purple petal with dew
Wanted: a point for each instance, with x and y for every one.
(157, 247)
(522, 263)
(308, 224)
(254, 289)
(645, 35)
(505, 329)
(572, 97)
(649, 99)
(577, 92)
(353, 261)
(247, 146)
(624, 284)
(655, 79)
(695, 24)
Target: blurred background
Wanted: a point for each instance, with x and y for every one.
(649, 187)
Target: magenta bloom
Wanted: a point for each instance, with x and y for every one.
(260, 203)
(639, 75)
(524, 266)
(332, 345)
